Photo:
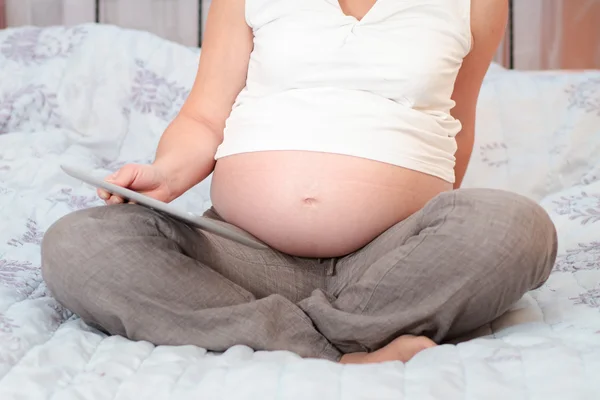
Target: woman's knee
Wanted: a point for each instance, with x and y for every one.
(63, 247)
(73, 253)
(516, 227)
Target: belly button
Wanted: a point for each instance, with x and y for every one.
(309, 201)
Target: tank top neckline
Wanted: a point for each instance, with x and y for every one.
(339, 9)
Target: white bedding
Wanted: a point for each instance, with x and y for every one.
(101, 96)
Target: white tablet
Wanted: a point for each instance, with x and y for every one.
(222, 229)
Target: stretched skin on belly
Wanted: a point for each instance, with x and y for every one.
(311, 204)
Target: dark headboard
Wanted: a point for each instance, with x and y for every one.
(200, 25)
(509, 36)
(97, 12)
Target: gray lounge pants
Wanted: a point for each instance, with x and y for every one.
(450, 268)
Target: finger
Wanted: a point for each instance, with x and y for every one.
(113, 200)
(124, 177)
(103, 194)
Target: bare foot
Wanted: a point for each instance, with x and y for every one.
(402, 349)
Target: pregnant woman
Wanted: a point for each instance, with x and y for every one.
(338, 133)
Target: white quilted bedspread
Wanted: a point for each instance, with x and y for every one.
(101, 96)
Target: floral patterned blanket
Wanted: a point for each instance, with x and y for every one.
(100, 96)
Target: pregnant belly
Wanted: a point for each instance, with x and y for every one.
(310, 204)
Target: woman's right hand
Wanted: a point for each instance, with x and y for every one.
(147, 179)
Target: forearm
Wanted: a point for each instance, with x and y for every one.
(186, 152)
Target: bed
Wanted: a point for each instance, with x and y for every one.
(100, 96)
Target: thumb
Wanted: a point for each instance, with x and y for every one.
(124, 177)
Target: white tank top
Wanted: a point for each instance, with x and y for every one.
(379, 88)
